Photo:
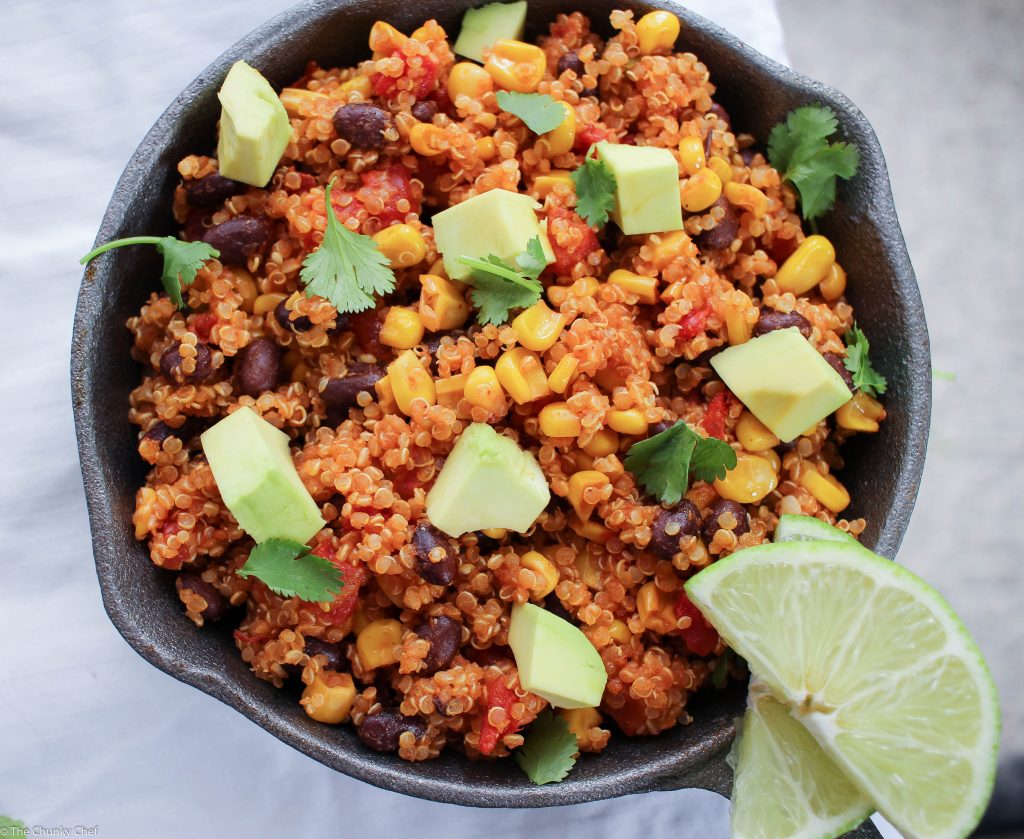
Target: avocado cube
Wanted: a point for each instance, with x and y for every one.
(487, 481)
(555, 660)
(483, 26)
(783, 380)
(496, 222)
(647, 188)
(254, 127)
(252, 465)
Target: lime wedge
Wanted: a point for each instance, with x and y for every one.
(873, 662)
(794, 528)
(785, 785)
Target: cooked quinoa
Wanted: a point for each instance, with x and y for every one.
(439, 608)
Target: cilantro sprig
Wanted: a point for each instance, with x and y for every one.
(289, 569)
(595, 189)
(182, 260)
(348, 268)
(800, 150)
(540, 112)
(499, 287)
(664, 463)
(865, 376)
(549, 749)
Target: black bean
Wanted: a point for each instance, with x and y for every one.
(332, 652)
(425, 538)
(659, 427)
(159, 432)
(340, 394)
(216, 605)
(238, 238)
(670, 525)
(283, 315)
(212, 189)
(571, 61)
(381, 731)
(719, 237)
(748, 155)
(837, 364)
(259, 367)
(722, 114)
(770, 320)
(424, 111)
(171, 361)
(362, 124)
(720, 507)
(445, 636)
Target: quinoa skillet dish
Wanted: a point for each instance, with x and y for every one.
(470, 356)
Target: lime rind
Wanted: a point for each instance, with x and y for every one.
(798, 528)
(760, 599)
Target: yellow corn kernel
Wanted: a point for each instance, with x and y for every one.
(299, 372)
(486, 149)
(537, 327)
(834, 285)
(581, 461)
(384, 38)
(579, 484)
(691, 154)
(559, 140)
(428, 139)
(645, 288)
(246, 287)
(522, 375)
(442, 303)
(410, 381)
(862, 413)
(603, 443)
(484, 390)
(496, 533)
(749, 481)
(516, 66)
(592, 531)
(737, 326)
(450, 391)
(656, 608)
(359, 621)
(437, 269)
(701, 190)
(545, 570)
(267, 302)
(609, 378)
(657, 32)
(359, 84)
(290, 359)
(669, 247)
(329, 697)
(468, 79)
(402, 328)
(543, 185)
(298, 99)
(557, 420)
(579, 721)
(631, 421)
(831, 494)
(720, 166)
(385, 395)
(807, 266)
(402, 244)
(563, 373)
(588, 569)
(376, 643)
(620, 632)
(753, 434)
(421, 34)
(748, 198)
(773, 458)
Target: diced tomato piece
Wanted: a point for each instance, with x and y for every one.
(701, 637)
(386, 85)
(780, 249)
(499, 695)
(693, 324)
(587, 136)
(353, 575)
(566, 258)
(171, 528)
(631, 717)
(202, 324)
(246, 638)
(306, 182)
(390, 186)
(714, 417)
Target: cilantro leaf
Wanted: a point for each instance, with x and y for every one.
(799, 149)
(499, 287)
(182, 260)
(549, 749)
(663, 463)
(540, 112)
(289, 569)
(595, 189)
(865, 376)
(348, 268)
(533, 260)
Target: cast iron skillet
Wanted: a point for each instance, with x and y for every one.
(883, 473)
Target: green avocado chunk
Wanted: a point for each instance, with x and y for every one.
(482, 27)
(555, 660)
(783, 380)
(794, 528)
(496, 222)
(646, 188)
(487, 481)
(253, 467)
(254, 127)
